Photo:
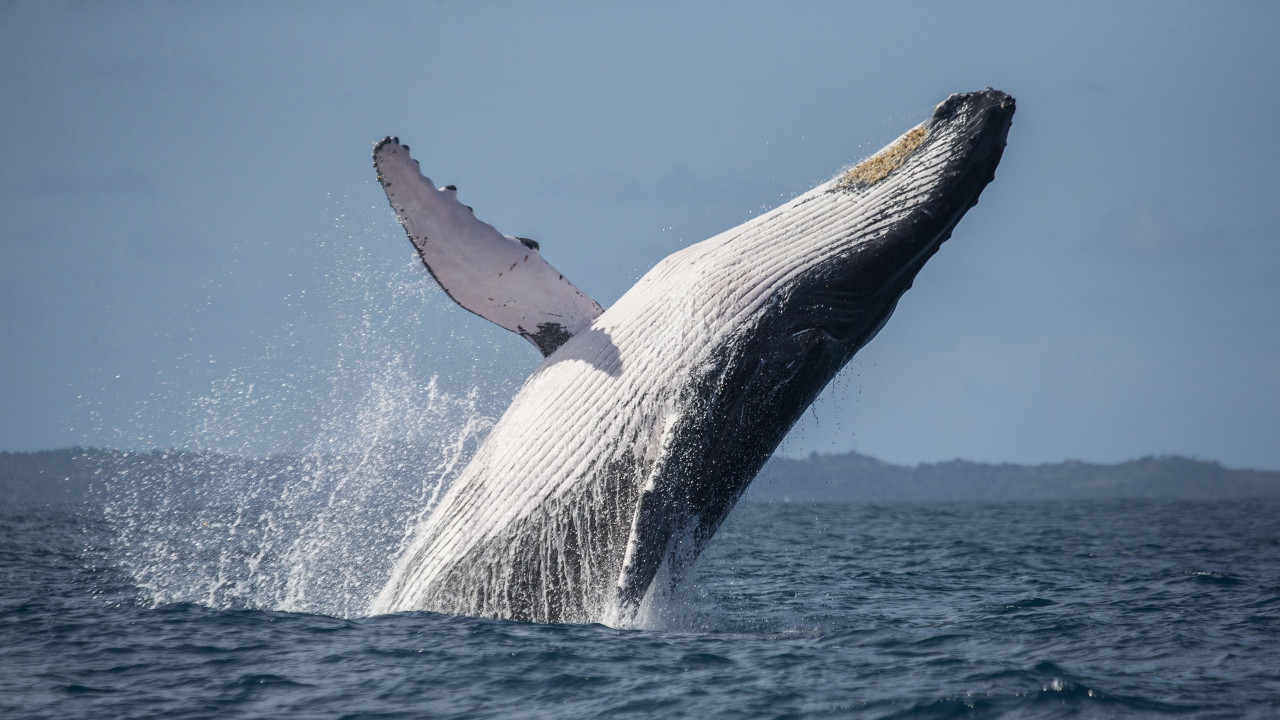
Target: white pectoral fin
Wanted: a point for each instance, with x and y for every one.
(498, 277)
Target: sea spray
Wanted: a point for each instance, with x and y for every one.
(298, 480)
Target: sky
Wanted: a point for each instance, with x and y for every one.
(194, 251)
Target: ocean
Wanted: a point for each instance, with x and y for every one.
(1023, 610)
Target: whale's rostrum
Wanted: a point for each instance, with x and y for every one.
(627, 447)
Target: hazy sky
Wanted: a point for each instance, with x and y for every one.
(193, 246)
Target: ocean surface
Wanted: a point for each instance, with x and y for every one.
(1032, 610)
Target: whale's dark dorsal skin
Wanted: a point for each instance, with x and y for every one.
(626, 449)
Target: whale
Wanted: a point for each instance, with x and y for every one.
(627, 447)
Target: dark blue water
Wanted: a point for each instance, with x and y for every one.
(1112, 609)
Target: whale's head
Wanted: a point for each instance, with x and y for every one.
(839, 257)
(828, 268)
(893, 212)
(807, 286)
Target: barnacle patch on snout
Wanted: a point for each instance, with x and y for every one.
(878, 166)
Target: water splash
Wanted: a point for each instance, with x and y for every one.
(309, 533)
(297, 486)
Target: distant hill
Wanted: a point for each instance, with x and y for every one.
(74, 474)
(857, 478)
(49, 476)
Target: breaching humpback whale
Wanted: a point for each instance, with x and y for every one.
(627, 447)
